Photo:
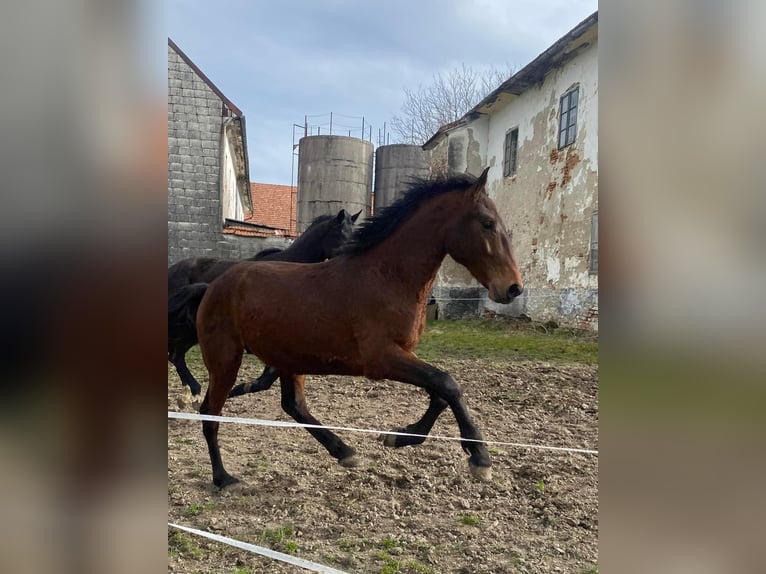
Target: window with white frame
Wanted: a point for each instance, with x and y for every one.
(568, 117)
(510, 152)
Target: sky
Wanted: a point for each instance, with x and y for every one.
(280, 60)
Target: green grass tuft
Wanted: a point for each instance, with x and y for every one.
(500, 339)
(181, 544)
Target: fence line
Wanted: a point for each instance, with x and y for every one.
(267, 552)
(289, 424)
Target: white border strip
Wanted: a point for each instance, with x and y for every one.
(267, 423)
(273, 554)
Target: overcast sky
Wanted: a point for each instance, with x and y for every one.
(279, 60)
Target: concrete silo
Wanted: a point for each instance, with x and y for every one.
(334, 172)
(395, 165)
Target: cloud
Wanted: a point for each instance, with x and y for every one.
(280, 60)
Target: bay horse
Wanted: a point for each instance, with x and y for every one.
(188, 279)
(361, 313)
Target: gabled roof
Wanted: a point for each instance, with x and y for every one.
(235, 110)
(563, 50)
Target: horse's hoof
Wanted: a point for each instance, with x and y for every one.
(483, 473)
(226, 482)
(349, 461)
(388, 439)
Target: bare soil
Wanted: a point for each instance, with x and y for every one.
(409, 510)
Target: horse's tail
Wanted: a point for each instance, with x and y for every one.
(183, 304)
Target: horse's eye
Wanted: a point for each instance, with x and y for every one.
(488, 224)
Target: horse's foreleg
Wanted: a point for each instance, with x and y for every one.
(294, 404)
(401, 366)
(262, 383)
(223, 374)
(421, 427)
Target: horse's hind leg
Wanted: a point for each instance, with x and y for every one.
(421, 427)
(223, 374)
(294, 404)
(262, 383)
(178, 358)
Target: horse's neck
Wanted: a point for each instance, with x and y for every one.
(415, 251)
(305, 250)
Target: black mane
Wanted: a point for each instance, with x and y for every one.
(377, 228)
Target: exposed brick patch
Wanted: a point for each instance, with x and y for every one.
(589, 320)
(554, 157)
(573, 158)
(549, 191)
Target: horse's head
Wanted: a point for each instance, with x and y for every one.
(480, 242)
(339, 230)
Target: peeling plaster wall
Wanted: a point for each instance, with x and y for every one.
(547, 204)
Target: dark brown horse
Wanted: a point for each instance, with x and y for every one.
(187, 283)
(361, 313)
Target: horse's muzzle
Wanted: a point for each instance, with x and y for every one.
(505, 297)
(514, 291)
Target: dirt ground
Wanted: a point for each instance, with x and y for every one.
(408, 510)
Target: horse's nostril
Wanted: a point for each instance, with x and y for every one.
(515, 290)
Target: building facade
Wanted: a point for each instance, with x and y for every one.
(538, 132)
(209, 201)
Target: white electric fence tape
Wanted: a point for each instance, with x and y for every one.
(273, 554)
(288, 424)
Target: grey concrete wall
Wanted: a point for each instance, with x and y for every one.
(334, 172)
(395, 165)
(195, 221)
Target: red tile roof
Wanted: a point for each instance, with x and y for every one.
(274, 206)
(250, 229)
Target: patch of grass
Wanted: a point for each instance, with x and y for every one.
(280, 538)
(242, 570)
(501, 339)
(193, 509)
(390, 565)
(419, 568)
(260, 466)
(181, 544)
(540, 486)
(470, 519)
(388, 543)
(289, 547)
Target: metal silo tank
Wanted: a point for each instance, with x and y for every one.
(395, 166)
(334, 172)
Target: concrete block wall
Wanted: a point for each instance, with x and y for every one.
(195, 221)
(194, 147)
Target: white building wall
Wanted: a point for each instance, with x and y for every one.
(548, 204)
(232, 202)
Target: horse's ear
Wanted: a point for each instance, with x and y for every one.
(356, 216)
(341, 217)
(480, 186)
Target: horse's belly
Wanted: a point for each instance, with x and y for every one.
(303, 349)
